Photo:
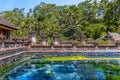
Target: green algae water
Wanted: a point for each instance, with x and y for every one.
(35, 69)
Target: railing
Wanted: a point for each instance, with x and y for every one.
(12, 45)
(11, 50)
(75, 48)
(9, 45)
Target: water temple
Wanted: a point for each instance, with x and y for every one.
(13, 48)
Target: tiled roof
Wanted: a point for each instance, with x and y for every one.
(7, 24)
(115, 36)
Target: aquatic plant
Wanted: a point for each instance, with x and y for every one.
(48, 72)
(7, 67)
(112, 77)
(65, 58)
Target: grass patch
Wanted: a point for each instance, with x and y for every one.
(105, 42)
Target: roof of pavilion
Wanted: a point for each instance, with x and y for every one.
(115, 36)
(7, 25)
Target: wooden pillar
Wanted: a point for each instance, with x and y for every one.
(9, 35)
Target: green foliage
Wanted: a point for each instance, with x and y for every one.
(72, 31)
(77, 42)
(50, 40)
(104, 41)
(41, 62)
(7, 67)
(111, 68)
(90, 39)
(92, 17)
(67, 58)
(111, 77)
(94, 30)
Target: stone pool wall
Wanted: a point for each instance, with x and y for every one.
(87, 54)
(9, 56)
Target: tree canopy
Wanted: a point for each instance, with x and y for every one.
(92, 17)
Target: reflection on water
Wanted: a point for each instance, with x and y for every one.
(67, 70)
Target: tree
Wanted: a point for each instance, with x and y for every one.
(91, 17)
(112, 17)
